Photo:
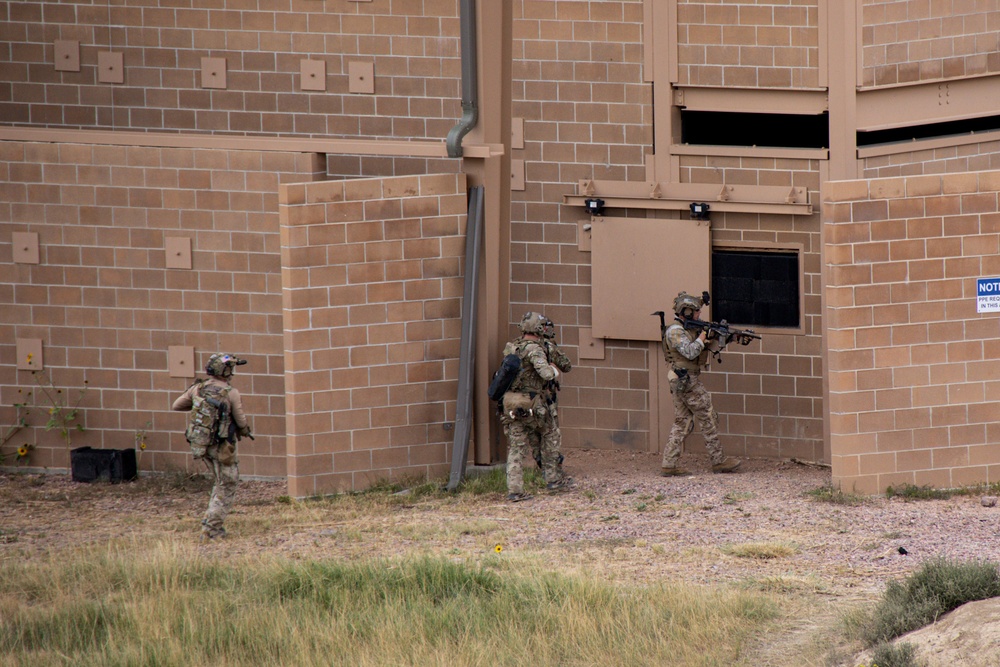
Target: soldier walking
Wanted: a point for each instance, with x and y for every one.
(218, 448)
(686, 350)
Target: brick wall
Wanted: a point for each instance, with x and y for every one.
(413, 47)
(372, 314)
(912, 366)
(752, 44)
(770, 397)
(106, 307)
(916, 40)
(982, 156)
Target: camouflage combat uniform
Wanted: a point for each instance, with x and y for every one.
(220, 458)
(562, 362)
(687, 355)
(532, 418)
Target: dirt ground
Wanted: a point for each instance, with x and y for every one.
(622, 522)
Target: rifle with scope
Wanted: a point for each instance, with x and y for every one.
(715, 331)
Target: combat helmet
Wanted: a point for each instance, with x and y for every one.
(534, 323)
(221, 365)
(686, 302)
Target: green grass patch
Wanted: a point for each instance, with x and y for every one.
(760, 550)
(927, 492)
(828, 494)
(935, 589)
(170, 604)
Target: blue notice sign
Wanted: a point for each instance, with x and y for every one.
(988, 295)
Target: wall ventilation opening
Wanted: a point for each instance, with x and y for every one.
(929, 131)
(757, 288)
(776, 130)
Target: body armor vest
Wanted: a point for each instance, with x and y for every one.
(678, 360)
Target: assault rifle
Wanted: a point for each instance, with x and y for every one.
(720, 331)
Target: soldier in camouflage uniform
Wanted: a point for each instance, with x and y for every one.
(220, 457)
(562, 362)
(524, 410)
(686, 350)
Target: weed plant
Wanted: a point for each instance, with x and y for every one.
(913, 492)
(935, 589)
(895, 655)
(828, 494)
(166, 603)
(760, 550)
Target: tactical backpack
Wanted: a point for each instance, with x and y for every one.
(504, 376)
(208, 420)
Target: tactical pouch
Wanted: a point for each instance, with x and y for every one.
(227, 454)
(518, 405)
(680, 380)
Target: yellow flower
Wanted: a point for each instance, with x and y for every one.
(22, 451)
(142, 445)
(498, 548)
(30, 356)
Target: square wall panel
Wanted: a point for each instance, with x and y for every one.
(110, 67)
(213, 73)
(180, 361)
(67, 55)
(639, 266)
(312, 74)
(29, 354)
(178, 249)
(361, 77)
(590, 347)
(25, 247)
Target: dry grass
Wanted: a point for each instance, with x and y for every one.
(623, 526)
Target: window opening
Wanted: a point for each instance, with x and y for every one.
(756, 287)
(777, 130)
(929, 131)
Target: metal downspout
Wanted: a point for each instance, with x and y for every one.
(470, 81)
(467, 355)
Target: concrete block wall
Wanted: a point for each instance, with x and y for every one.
(587, 113)
(373, 274)
(749, 44)
(980, 156)
(907, 41)
(106, 307)
(913, 367)
(770, 395)
(413, 48)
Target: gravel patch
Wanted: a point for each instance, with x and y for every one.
(622, 521)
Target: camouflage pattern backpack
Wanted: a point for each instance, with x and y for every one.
(208, 420)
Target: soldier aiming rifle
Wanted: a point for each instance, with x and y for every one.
(719, 334)
(686, 346)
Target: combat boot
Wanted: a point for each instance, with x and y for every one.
(729, 464)
(675, 472)
(565, 484)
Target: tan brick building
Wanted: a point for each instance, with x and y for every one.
(283, 181)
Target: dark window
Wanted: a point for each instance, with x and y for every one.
(755, 288)
(777, 130)
(929, 131)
